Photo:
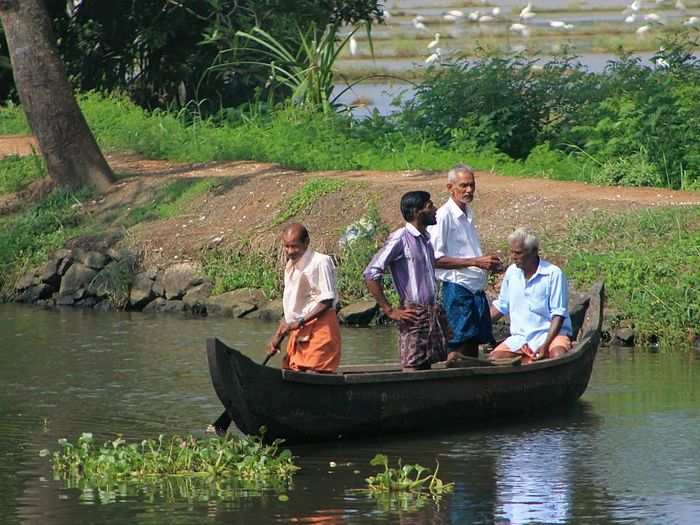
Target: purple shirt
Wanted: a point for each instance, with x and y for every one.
(410, 258)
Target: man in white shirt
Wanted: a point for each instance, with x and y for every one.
(309, 302)
(461, 266)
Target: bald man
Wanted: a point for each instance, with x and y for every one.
(309, 302)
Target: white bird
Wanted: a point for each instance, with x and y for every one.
(474, 16)
(680, 5)
(631, 19)
(419, 25)
(386, 14)
(496, 11)
(526, 13)
(568, 26)
(661, 62)
(642, 29)
(635, 6)
(432, 58)
(419, 18)
(693, 20)
(485, 19)
(520, 28)
(652, 17)
(455, 13)
(558, 24)
(526, 10)
(449, 18)
(435, 41)
(353, 46)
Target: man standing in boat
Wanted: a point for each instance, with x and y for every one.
(309, 302)
(534, 294)
(409, 257)
(461, 266)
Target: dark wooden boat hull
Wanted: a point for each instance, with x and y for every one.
(310, 407)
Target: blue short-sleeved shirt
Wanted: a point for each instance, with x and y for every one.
(531, 304)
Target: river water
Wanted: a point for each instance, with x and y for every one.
(628, 452)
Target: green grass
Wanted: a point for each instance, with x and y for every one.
(305, 197)
(27, 238)
(17, 172)
(242, 268)
(170, 200)
(298, 139)
(650, 261)
(13, 121)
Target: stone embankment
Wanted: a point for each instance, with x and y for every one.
(111, 280)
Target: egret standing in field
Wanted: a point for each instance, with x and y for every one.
(432, 58)
(526, 13)
(435, 41)
(353, 46)
(643, 29)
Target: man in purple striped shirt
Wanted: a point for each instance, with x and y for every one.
(409, 257)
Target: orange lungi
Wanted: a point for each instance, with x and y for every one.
(315, 346)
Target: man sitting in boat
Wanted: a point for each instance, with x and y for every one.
(534, 294)
(461, 265)
(309, 302)
(409, 256)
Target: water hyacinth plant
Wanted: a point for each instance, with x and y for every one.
(406, 479)
(246, 458)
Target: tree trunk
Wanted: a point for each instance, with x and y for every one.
(70, 151)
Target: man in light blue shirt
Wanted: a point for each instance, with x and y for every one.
(534, 294)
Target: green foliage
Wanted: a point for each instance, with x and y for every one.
(170, 200)
(356, 254)
(305, 197)
(246, 458)
(13, 121)
(159, 52)
(307, 74)
(651, 267)
(242, 268)
(28, 238)
(114, 282)
(17, 172)
(634, 170)
(407, 479)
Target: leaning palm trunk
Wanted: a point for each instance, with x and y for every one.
(72, 156)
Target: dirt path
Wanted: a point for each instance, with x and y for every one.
(252, 193)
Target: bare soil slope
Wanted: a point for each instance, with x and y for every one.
(251, 194)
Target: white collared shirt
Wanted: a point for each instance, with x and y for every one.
(306, 283)
(455, 235)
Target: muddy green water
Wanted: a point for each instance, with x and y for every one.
(628, 452)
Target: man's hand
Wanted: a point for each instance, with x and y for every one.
(540, 353)
(491, 263)
(273, 346)
(402, 314)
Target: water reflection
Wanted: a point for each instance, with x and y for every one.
(627, 453)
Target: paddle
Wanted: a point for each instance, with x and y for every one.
(224, 420)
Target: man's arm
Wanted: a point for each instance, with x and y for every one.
(554, 327)
(397, 314)
(495, 313)
(490, 263)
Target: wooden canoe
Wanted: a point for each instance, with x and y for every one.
(371, 400)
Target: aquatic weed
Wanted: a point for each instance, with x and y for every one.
(246, 459)
(406, 479)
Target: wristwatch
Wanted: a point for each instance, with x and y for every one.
(301, 321)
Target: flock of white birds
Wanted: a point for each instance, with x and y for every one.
(633, 13)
